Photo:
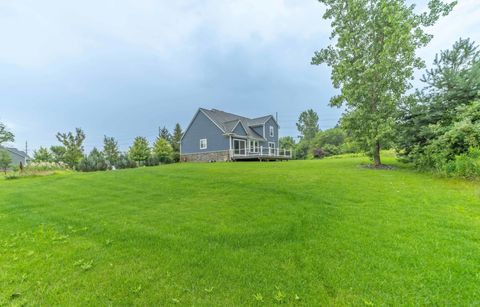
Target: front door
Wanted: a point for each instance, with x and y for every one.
(239, 147)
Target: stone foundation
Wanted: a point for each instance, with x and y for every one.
(216, 156)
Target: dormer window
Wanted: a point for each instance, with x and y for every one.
(272, 132)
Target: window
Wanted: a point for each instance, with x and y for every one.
(254, 146)
(203, 143)
(272, 131)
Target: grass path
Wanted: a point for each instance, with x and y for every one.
(304, 232)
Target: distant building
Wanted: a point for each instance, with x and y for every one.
(214, 135)
(16, 155)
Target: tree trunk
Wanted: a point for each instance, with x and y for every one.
(376, 154)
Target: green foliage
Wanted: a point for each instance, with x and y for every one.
(124, 162)
(442, 123)
(287, 142)
(163, 150)
(95, 161)
(140, 150)
(307, 125)
(110, 150)
(165, 134)
(42, 154)
(73, 144)
(5, 160)
(373, 60)
(302, 149)
(465, 165)
(58, 153)
(5, 135)
(176, 138)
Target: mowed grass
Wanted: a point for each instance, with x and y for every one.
(226, 234)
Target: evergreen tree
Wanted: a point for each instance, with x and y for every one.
(176, 139)
(165, 134)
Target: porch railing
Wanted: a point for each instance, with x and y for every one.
(261, 152)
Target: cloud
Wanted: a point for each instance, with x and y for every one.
(37, 33)
(463, 21)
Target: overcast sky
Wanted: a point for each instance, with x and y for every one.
(123, 68)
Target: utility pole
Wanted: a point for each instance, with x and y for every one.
(26, 148)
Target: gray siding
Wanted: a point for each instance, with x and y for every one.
(203, 128)
(258, 129)
(239, 130)
(16, 158)
(274, 139)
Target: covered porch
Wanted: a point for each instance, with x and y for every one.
(252, 149)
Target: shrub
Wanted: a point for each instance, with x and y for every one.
(153, 160)
(95, 161)
(465, 165)
(125, 162)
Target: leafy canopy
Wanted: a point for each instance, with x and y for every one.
(307, 124)
(73, 144)
(110, 150)
(373, 59)
(42, 154)
(5, 135)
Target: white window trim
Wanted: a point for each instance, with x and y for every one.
(272, 131)
(203, 142)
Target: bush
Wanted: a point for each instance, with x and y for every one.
(153, 160)
(95, 161)
(125, 162)
(465, 165)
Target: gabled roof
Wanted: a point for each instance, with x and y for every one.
(228, 121)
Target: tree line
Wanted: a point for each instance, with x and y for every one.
(164, 150)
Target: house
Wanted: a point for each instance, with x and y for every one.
(17, 156)
(215, 135)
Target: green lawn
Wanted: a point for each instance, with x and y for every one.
(301, 232)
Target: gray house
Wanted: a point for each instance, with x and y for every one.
(214, 135)
(17, 156)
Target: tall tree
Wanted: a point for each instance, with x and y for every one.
(5, 134)
(42, 154)
(165, 134)
(139, 151)
(373, 60)
(73, 144)
(307, 125)
(110, 150)
(5, 160)
(176, 138)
